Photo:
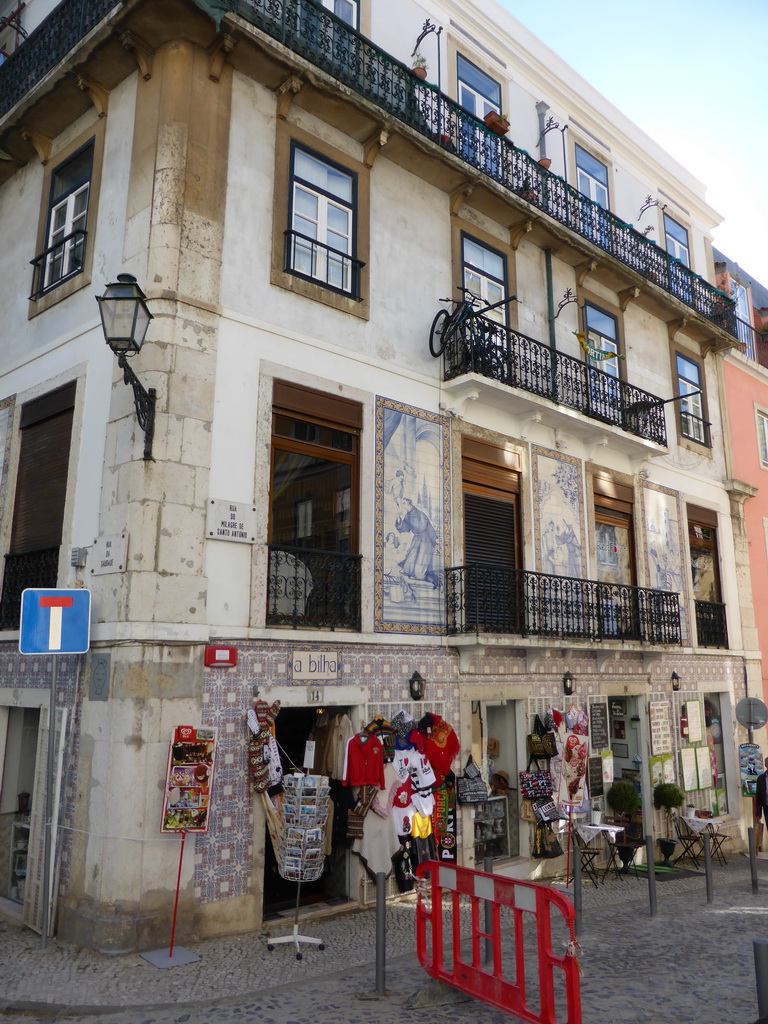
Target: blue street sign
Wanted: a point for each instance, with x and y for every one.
(55, 621)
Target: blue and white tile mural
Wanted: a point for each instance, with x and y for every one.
(665, 544)
(412, 519)
(558, 513)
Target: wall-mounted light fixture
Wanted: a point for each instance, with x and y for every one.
(675, 679)
(124, 320)
(568, 684)
(416, 685)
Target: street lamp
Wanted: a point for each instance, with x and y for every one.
(124, 320)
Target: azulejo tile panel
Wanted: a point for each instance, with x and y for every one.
(665, 543)
(558, 513)
(413, 519)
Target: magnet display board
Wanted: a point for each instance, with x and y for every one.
(189, 780)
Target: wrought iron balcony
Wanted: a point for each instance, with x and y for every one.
(313, 589)
(484, 347)
(314, 261)
(22, 570)
(711, 626)
(753, 344)
(330, 44)
(486, 599)
(58, 262)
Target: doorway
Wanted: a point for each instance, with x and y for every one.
(627, 749)
(293, 728)
(19, 728)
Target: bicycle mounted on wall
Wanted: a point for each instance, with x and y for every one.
(448, 324)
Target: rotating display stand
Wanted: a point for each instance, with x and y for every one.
(302, 842)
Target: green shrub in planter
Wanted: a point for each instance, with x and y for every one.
(623, 798)
(668, 797)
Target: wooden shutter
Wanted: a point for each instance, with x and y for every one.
(490, 535)
(41, 485)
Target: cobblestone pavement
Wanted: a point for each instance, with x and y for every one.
(691, 964)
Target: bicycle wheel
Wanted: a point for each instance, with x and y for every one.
(437, 333)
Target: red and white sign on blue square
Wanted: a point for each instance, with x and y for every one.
(55, 621)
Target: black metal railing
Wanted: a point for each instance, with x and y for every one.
(711, 625)
(22, 570)
(316, 589)
(753, 344)
(694, 428)
(314, 261)
(487, 348)
(486, 599)
(330, 44)
(58, 262)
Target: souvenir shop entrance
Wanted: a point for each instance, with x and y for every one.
(19, 731)
(328, 729)
(627, 750)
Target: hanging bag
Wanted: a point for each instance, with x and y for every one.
(535, 784)
(546, 809)
(471, 787)
(546, 845)
(541, 742)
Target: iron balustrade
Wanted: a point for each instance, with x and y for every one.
(312, 32)
(316, 589)
(711, 625)
(25, 569)
(58, 262)
(488, 599)
(753, 344)
(314, 261)
(694, 428)
(491, 350)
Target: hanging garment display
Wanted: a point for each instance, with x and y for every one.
(386, 734)
(336, 748)
(263, 755)
(444, 819)
(441, 744)
(379, 842)
(364, 764)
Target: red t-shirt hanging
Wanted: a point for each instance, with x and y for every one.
(441, 744)
(365, 762)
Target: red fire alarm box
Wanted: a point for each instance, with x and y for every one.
(220, 657)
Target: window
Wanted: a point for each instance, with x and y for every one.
(491, 537)
(38, 509)
(602, 332)
(615, 557)
(676, 240)
(320, 242)
(484, 273)
(346, 10)
(313, 560)
(592, 177)
(478, 92)
(705, 575)
(65, 235)
(693, 426)
(762, 438)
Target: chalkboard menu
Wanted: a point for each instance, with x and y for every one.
(598, 727)
(595, 776)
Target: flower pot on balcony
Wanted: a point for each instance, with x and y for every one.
(545, 162)
(496, 122)
(420, 73)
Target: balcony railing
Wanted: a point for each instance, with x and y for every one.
(711, 626)
(491, 350)
(695, 428)
(314, 261)
(753, 344)
(327, 42)
(485, 599)
(58, 262)
(314, 589)
(22, 570)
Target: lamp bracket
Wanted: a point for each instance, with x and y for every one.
(144, 401)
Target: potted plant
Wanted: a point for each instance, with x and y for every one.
(420, 66)
(498, 123)
(527, 191)
(667, 797)
(623, 798)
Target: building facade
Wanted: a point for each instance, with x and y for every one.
(346, 486)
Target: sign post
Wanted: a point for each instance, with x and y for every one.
(53, 622)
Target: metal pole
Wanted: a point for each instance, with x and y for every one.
(381, 933)
(576, 889)
(651, 874)
(488, 918)
(48, 827)
(752, 857)
(707, 864)
(760, 947)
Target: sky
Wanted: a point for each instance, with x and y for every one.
(692, 75)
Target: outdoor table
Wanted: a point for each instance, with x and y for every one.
(585, 834)
(701, 825)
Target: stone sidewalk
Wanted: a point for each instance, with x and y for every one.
(692, 963)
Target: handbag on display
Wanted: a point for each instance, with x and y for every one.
(471, 787)
(541, 742)
(545, 809)
(546, 845)
(527, 812)
(535, 784)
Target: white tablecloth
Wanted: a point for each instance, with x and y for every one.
(699, 825)
(588, 832)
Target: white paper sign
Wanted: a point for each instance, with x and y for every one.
(309, 754)
(693, 711)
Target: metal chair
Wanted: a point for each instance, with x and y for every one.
(588, 855)
(689, 841)
(717, 839)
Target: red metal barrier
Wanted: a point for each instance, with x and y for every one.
(499, 983)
